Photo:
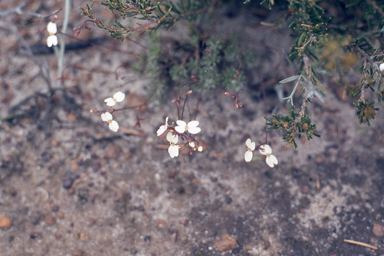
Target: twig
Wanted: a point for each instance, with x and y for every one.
(362, 244)
(18, 10)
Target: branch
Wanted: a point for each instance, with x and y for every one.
(18, 10)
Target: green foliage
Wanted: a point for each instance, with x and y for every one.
(295, 122)
(214, 64)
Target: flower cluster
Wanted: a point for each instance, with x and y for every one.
(265, 149)
(179, 130)
(106, 116)
(52, 30)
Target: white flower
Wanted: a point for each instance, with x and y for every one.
(200, 149)
(117, 97)
(52, 30)
(266, 150)
(381, 67)
(107, 117)
(250, 147)
(191, 127)
(163, 128)
(173, 149)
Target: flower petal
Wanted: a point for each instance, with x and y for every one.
(106, 116)
(161, 130)
(248, 156)
(169, 137)
(51, 40)
(51, 28)
(173, 151)
(119, 96)
(114, 126)
(273, 159)
(248, 142)
(181, 123)
(267, 149)
(269, 162)
(175, 138)
(110, 102)
(194, 130)
(180, 129)
(193, 124)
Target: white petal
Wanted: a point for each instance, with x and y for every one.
(175, 139)
(110, 102)
(194, 130)
(381, 67)
(193, 124)
(251, 145)
(273, 159)
(51, 40)
(173, 151)
(119, 96)
(181, 123)
(161, 130)
(106, 116)
(114, 126)
(52, 28)
(180, 129)
(267, 149)
(270, 162)
(169, 137)
(248, 156)
(166, 121)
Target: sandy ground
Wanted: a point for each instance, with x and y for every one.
(72, 187)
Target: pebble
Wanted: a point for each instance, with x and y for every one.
(34, 235)
(304, 189)
(67, 184)
(77, 252)
(112, 152)
(161, 224)
(57, 235)
(225, 243)
(5, 222)
(133, 250)
(228, 200)
(147, 238)
(36, 217)
(50, 220)
(378, 230)
(83, 237)
(55, 208)
(320, 159)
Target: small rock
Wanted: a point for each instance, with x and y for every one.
(83, 237)
(320, 159)
(67, 184)
(133, 250)
(112, 152)
(55, 208)
(36, 217)
(304, 189)
(147, 238)
(57, 235)
(5, 222)
(128, 155)
(77, 252)
(225, 243)
(378, 230)
(50, 220)
(34, 235)
(54, 142)
(161, 224)
(228, 200)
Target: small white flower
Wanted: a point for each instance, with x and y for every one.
(113, 125)
(163, 128)
(117, 97)
(173, 149)
(266, 150)
(52, 30)
(191, 127)
(381, 67)
(250, 147)
(200, 149)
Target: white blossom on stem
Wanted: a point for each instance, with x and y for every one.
(117, 97)
(381, 67)
(266, 150)
(173, 149)
(163, 128)
(250, 147)
(107, 117)
(191, 127)
(52, 30)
